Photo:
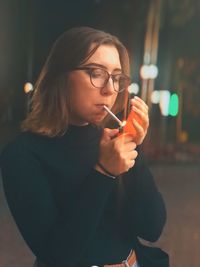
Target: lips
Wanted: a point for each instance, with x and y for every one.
(101, 105)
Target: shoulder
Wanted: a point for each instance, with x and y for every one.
(19, 142)
(22, 144)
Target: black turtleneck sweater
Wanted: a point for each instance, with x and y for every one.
(70, 214)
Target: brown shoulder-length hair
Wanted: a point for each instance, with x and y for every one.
(50, 103)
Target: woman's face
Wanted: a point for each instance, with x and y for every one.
(86, 100)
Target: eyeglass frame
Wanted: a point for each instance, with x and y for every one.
(112, 76)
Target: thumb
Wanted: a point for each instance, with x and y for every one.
(109, 134)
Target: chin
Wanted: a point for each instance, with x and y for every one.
(97, 120)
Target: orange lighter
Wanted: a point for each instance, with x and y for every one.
(127, 126)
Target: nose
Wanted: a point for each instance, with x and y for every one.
(108, 89)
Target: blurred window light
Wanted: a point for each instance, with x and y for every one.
(149, 71)
(153, 71)
(164, 102)
(144, 72)
(173, 105)
(28, 87)
(155, 97)
(133, 88)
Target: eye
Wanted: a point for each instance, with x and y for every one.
(117, 78)
(98, 73)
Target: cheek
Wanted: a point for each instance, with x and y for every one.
(81, 101)
(77, 92)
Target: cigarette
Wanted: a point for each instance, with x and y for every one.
(121, 124)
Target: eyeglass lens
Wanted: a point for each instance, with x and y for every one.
(100, 77)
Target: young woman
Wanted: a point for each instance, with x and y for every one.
(79, 191)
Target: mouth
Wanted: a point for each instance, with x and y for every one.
(101, 106)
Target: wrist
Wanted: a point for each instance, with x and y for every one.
(102, 170)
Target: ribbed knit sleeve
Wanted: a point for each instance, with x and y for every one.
(143, 207)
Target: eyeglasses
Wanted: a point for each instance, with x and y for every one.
(99, 78)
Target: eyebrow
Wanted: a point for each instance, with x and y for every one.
(100, 66)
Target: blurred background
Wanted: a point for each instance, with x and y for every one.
(163, 40)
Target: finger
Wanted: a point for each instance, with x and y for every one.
(139, 129)
(140, 104)
(132, 163)
(110, 133)
(129, 147)
(133, 155)
(144, 117)
(143, 107)
(138, 99)
(126, 138)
